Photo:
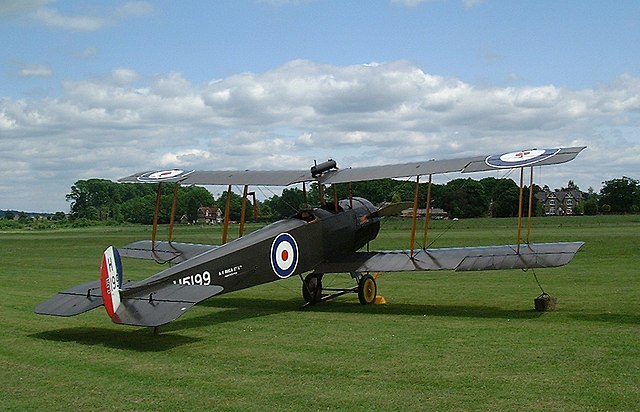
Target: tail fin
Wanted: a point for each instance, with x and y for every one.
(111, 280)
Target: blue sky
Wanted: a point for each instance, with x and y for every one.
(104, 89)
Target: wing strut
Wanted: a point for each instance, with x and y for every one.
(350, 196)
(520, 198)
(156, 214)
(174, 206)
(321, 193)
(227, 216)
(156, 218)
(521, 207)
(304, 192)
(427, 215)
(243, 211)
(529, 220)
(415, 215)
(255, 207)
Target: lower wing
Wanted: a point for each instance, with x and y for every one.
(534, 255)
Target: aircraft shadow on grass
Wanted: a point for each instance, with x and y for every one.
(231, 310)
(237, 309)
(137, 340)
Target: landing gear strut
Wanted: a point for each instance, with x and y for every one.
(312, 289)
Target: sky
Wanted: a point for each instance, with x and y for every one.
(104, 89)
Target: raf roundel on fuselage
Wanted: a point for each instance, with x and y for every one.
(284, 255)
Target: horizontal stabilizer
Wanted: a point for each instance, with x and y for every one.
(535, 255)
(163, 305)
(173, 252)
(74, 301)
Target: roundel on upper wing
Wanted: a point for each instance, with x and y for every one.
(520, 159)
(162, 175)
(284, 255)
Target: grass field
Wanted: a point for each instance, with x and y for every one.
(445, 341)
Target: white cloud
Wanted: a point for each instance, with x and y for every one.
(184, 157)
(408, 3)
(44, 12)
(53, 18)
(134, 8)
(472, 3)
(414, 3)
(124, 76)
(282, 3)
(9, 8)
(303, 111)
(36, 70)
(89, 53)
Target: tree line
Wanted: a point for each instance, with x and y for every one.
(617, 196)
(104, 200)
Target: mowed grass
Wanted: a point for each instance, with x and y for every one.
(444, 341)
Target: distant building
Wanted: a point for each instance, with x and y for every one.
(436, 213)
(209, 215)
(559, 202)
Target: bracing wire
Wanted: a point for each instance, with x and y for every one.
(440, 234)
(537, 281)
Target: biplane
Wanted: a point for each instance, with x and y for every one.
(315, 241)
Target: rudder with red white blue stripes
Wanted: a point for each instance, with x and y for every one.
(111, 280)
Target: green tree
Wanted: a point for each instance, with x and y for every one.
(139, 209)
(465, 198)
(93, 199)
(99, 199)
(590, 206)
(291, 200)
(570, 186)
(505, 198)
(620, 195)
(59, 216)
(190, 198)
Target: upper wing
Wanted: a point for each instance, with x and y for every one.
(357, 174)
(535, 255)
(222, 177)
(523, 158)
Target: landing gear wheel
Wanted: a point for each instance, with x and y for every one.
(312, 288)
(367, 290)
